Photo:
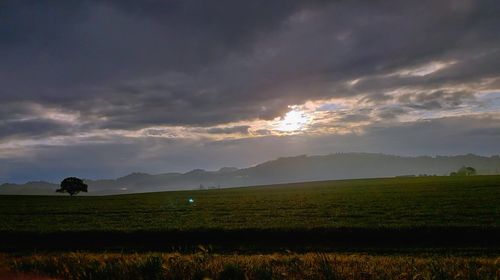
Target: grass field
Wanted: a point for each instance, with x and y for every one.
(372, 203)
(404, 228)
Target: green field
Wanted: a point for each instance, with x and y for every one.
(394, 228)
(370, 203)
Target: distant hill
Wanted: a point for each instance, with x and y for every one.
(282, 170)
(35, 188)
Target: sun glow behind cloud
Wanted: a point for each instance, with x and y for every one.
(294, 120)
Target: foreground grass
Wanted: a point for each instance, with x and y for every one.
(370, 203)
(271, 266)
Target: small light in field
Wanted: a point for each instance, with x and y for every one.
(191, 200)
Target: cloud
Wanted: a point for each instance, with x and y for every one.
(355, 118)
(390, 113)
(194, 63)
(95, 72)
(450, 136)
(436, 99)
(263, 132)
(242, 129)
(32, 128)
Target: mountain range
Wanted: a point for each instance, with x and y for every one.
(282, 170)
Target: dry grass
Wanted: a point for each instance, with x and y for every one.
(204, 265)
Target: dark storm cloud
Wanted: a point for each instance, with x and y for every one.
(472, 66)
(129, 65)
(82, 56)
(103, 42)
(136, 64)
(29, 129)
(15, 111)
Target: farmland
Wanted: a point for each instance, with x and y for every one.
(372, 203)
(392, 228)
(394, 212)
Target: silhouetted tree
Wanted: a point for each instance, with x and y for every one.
(470, 171)
(464, 171)
(72, 185)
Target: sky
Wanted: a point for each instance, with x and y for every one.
(99, 89)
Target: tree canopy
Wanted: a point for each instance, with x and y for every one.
(72, 185)
(464, 171)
